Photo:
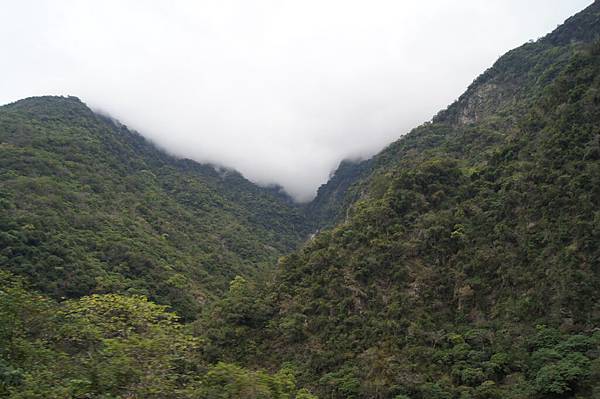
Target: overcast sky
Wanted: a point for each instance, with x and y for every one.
(280, 90)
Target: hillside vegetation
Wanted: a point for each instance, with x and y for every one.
(90, 207)
(470, 267)
(463, 261)
(471, 128)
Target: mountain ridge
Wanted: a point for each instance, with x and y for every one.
(492, 101)
(461, 262)
(60, 160)
(464, 263)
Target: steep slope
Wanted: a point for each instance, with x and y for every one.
(335, 197)
(90, 207)
(466, 262)
(470, 268)
(482, 118)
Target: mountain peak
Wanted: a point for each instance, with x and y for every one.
(51, 107)
(37, 101)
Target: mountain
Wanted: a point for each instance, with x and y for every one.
(465, 263)
(482, 118)
(460, 262)
(89, 206)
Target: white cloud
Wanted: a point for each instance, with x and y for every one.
(280, 90)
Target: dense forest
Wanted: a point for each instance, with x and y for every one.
(463, 261)
(91, 207)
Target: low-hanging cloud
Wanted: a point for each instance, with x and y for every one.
(280, 90)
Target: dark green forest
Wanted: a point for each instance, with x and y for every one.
(90, 207)
(462, 261)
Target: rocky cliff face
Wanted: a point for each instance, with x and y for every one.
(485, 96)
(495, 101)
(523, 70)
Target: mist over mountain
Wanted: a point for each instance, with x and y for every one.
(90, 206)
(280, 91)
(462, 261)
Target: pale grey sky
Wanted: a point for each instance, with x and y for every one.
(280, 90)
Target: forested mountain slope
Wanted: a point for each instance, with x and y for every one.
(482, 118)
(91, 207)
(470, 268)
(463, 261)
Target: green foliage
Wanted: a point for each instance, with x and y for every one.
(114, 346)
(469, 233)
(466, 264)
(343, 383)
(560, 365)
(25, 319)
(228, 381)
(232, 320)
(88, 206)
